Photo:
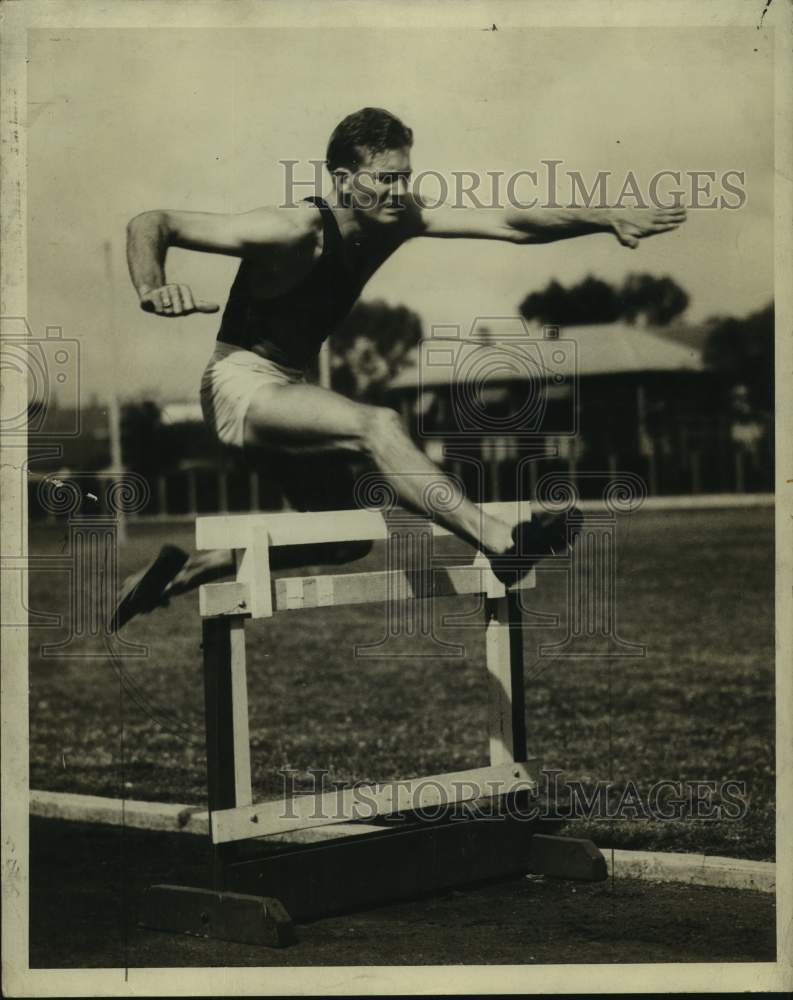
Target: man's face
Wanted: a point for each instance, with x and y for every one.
(377, 188)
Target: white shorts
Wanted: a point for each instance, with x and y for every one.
(228, 385)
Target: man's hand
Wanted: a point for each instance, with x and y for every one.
(173, 300)
(633, 224)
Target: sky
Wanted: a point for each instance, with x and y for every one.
(124, 120)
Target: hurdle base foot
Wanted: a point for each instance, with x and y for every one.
(567, 857)
(226, 916)
(408, 862)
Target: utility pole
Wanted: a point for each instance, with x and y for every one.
(113, 409)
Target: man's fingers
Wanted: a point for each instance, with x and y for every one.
(165, 298)
(175, 300)
(187, 298)
(677, 214)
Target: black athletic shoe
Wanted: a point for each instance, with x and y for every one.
(143, 592)
(534, 540)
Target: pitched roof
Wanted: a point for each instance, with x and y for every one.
(517, 351)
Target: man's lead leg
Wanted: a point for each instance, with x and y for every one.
(307, 418)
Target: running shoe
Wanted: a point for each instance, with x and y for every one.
(535, 540)
(144, 591)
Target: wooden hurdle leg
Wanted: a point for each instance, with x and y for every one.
(557, 857)
(227, 736)
(216, 912)
(504, 646)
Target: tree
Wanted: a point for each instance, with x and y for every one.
(590, 301)
(657, 301)
(743, 351)
(641, 298)
(371, 346)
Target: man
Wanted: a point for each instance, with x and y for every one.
(302, 269)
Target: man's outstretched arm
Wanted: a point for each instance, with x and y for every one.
(262, 232)
(546, 225)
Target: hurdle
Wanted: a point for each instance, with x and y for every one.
(259, 886)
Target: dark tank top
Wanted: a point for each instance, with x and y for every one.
(290, 328)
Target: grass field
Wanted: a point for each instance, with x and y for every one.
(694, 587)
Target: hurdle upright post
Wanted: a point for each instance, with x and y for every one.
(504, 662)
(507, 699)
(227, 736)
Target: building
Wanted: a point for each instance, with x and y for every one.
(505, 403)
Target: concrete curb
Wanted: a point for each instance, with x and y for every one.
(690, 869)
(162, 817)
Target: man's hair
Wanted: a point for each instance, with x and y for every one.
(370, 129)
